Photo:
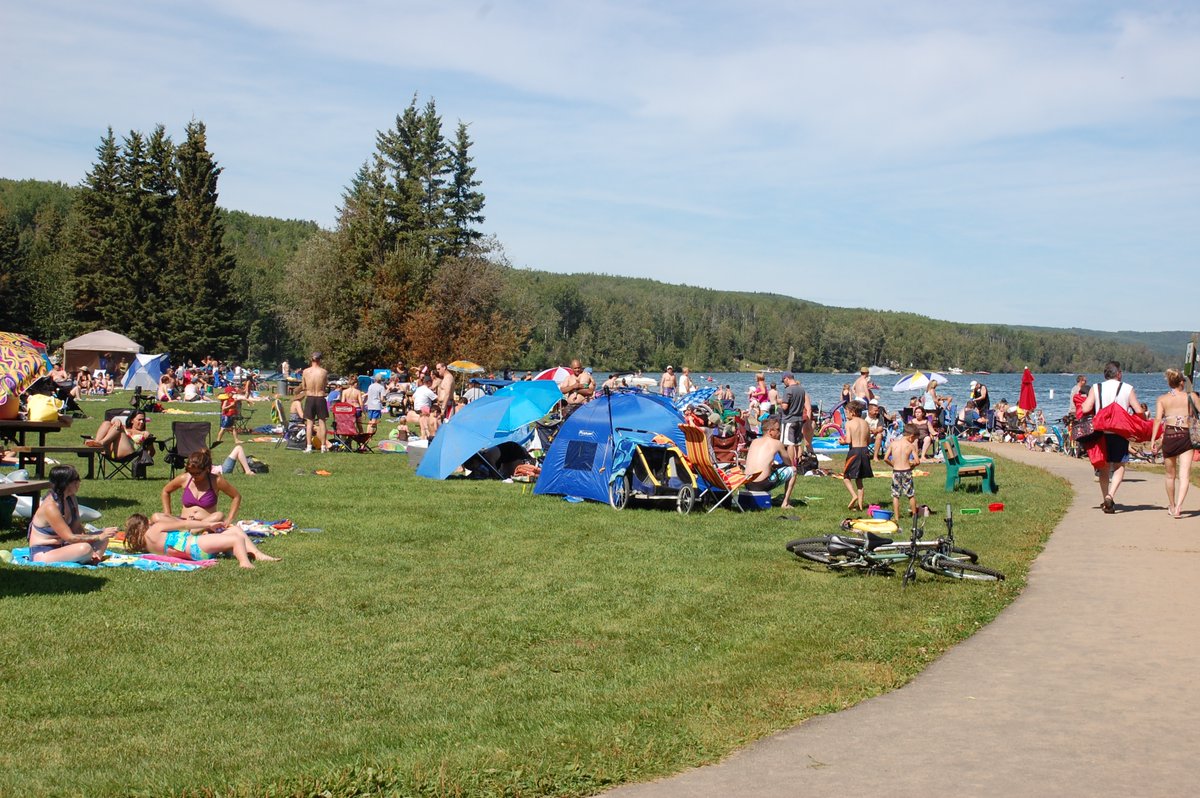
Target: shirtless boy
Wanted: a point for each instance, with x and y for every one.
(314, 382)
(902, 454)
(760, 463)
(858, 459)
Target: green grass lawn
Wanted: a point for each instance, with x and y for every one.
(464, 638)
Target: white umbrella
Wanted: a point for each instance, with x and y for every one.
(919, 381)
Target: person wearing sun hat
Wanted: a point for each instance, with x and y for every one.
(667, 384)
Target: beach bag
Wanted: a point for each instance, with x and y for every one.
(1194, 424)
(1083, 430)
(1097, 452)
(43, 408)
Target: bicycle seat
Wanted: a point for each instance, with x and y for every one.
(875, 541)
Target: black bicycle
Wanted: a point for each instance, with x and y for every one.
(877, 554)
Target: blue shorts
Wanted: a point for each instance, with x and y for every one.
(226, 422)
(374, 415)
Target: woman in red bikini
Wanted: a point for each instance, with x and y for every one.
(200, 487)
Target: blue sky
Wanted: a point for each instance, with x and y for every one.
(974, 161)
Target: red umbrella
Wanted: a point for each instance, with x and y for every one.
(1027, 401)
(556, 373)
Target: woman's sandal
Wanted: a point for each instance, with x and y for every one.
(1109, 505)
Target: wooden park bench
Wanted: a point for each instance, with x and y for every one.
(36, 455)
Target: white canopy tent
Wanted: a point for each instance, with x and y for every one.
(87, 349)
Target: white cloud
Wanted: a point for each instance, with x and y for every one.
(679, 140)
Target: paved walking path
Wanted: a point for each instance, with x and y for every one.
(1088, 684)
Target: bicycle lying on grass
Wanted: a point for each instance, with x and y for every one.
(877, 554)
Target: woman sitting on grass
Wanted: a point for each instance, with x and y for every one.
(55, 532)
(121, 440)
(200, 487)
(171, 537)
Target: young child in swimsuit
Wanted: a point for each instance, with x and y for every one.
(858, 458)
(55, 532)
(171, 537)
(902, 454)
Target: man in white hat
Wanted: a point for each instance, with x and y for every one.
(667, 384)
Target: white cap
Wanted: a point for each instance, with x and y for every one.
(873, 402)
(973, 383)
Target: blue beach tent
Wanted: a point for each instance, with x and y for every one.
(144, 372)
(580, 459)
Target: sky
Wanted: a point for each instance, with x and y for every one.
(1017, 163)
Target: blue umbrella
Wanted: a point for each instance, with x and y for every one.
(473, 428)
(528, 401)
(696, 397)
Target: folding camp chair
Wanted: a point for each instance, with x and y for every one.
(700, 456)
(345, 428)
(186, 437)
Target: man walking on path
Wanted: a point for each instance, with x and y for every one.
(1116, 448)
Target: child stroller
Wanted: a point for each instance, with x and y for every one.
(650, 468)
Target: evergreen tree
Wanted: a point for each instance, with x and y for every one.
(465, 203)
(197, 282)
(94, 240)
(14, 288)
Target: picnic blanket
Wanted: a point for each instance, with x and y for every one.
(144, 562)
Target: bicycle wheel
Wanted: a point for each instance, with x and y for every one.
(959, 569)
(958, 553)
(808, 544)
(618, 492)
(686, 499)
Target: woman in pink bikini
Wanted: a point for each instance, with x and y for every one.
(200, 487)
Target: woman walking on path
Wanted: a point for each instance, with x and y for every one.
(1174, 410)
(1117, 448)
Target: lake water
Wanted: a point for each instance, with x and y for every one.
(826, 389)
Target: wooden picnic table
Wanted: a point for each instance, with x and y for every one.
(32, 488)
(15, 429)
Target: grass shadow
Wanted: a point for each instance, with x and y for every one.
(18, 582)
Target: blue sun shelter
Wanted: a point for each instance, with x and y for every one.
(144, 372)
(580, 459)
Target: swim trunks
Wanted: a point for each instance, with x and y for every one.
(858, 463)
(316, 408)
(902, 484)
(792, 433)
(777, 478)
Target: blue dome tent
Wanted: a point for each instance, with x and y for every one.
(580, 459)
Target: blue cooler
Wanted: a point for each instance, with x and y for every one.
(754, 499)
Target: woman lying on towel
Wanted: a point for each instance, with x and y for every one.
(55, 532)
(200, 487)
(171, 537)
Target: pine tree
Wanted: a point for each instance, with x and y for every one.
(198, 278)
(94, 251)
(465, 203)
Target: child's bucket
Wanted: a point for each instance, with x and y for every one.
(882, 515)
(996, 507)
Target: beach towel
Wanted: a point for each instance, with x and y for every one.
(145, 562)
(266, 529)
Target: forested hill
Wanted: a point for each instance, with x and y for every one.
(1169, 343)
(611, 323)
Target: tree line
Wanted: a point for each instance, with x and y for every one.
(141, 247)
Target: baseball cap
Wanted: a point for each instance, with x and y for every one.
(873, 402)
(973, 383)
(864, 370)
(788, 376)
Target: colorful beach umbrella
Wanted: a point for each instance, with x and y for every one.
(696, 397)
(1027, 401)
(466, 367)
(919, 381)
(559, 374)
(23, 362)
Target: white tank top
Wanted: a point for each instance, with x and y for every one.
(1114, 391)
